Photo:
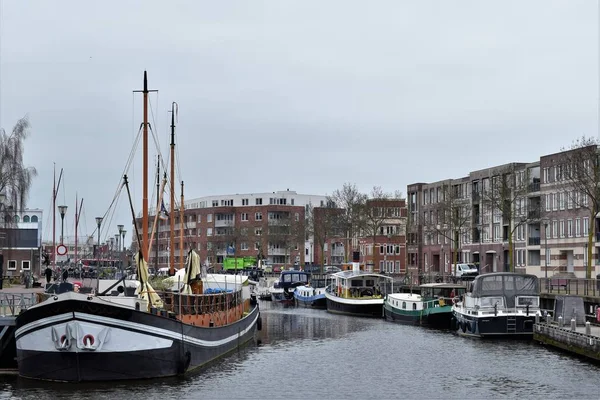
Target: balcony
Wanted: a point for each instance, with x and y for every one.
(534, 241)
(223, 223)
(276, 252)
(534, 187)
(533, 214)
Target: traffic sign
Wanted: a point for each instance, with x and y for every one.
(61, 249)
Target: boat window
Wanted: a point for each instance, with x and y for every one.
(403, 304)
(287, 278)
(524, 301)
(491, 301)
(414, 306)
(370, 282)
(356, 283)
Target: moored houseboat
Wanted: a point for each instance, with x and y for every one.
(312, 295)
(359, 293)
(283, 289)
(432, 307)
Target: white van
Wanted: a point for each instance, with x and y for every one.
(464, 270)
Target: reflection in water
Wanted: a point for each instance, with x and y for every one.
(308, 353)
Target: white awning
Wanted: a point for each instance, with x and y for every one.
(490, 252)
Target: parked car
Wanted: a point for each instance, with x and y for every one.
(331, 269)
(464, 271)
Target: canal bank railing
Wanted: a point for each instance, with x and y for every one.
(11, 304)
(568, 286)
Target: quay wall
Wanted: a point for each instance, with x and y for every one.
(566, 339)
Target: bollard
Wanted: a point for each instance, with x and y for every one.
(560, 321)
(548, 318)
(573, 324)
(588, 328)
(537, 318)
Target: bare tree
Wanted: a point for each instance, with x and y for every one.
(580, 173)
(375, 213)
(506, 197)
(452, 217)
(351, 201)
(15, 178)
(321, 224)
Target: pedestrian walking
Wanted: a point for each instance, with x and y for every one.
(48, 273)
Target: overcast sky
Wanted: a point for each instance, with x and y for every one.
(304, 95)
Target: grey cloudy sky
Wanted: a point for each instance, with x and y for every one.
(303, 95)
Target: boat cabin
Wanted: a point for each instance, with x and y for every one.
(353, 284)
(289, 279)
(447, 291)
(504, 291)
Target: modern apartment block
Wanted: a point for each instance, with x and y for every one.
(548, 227)
(20, 241)
(240, 225)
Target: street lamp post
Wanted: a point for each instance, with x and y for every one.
(123, 232)
(62, 210)
(120, 228)
(99, 223)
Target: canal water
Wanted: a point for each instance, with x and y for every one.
(310, 354)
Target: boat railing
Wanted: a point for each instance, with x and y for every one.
(12, 304)
(195, 304)
(355, 293)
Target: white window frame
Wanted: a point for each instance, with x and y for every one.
(208, 217)
(13, 263)
(243, 246)
(244, 216)
(23, 268)
(569, 228)
(561, 225)
(578, 227)
(586, 226)
(209, 231)
(258, 216)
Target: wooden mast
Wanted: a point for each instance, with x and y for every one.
(181, 219)
(145, 239)
(172, 205)
(77, 214)
(145, 172)
(54, 220)
(158, 199)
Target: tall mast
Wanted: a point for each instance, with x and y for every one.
(145, 173)
(54, 220)
(158, 197)
(172, 213)
(145, 125)
(77, 215)
(54, 194)
(181, 213)
(76, 201)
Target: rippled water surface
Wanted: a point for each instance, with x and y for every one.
(307, 354)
